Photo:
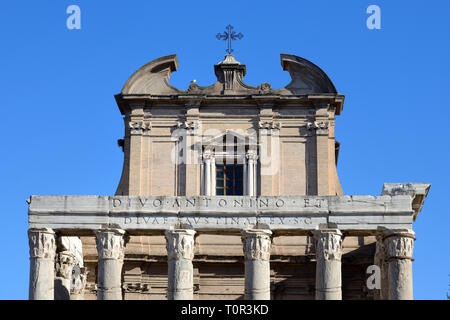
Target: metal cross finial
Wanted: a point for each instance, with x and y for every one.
(229, 35)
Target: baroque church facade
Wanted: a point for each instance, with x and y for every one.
(228, 191)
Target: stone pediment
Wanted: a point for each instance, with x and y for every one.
(153, 79)
(229, 136)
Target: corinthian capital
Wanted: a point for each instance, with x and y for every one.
(399, 244)
(252, 155)
(42, 243)
(64, 264)
(328, 244)
(256, 244)
(110, 244)
(180, 244)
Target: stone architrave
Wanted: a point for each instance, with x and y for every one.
(110, 248)
(328, 264)
(399, 246)
(180, 251)
(256, 246)
(42, 263)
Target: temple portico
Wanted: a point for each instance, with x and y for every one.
(326, 219)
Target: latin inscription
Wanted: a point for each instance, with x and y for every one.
(216, 202)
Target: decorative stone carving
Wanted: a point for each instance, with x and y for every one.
(180, 244)
(42, 263)
(78, 284)
(110, 248)
(328, 264)
(399, 244)
(188, 125)
(328, 244)
(193, 87)
(208, 155)
(110, 244)
(42, 243)
(252, 155)
(318, 125)
(256, 244)
(136, 287)
(265, 88)
(269, 125)
(64, 264)
(139, 127)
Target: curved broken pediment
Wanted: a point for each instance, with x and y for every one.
(153, 79)
(307, 78)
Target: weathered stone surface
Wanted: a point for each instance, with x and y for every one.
(42, 263)
(398, 246)
(363, 214)
(110, 247)
(256, 246)
(328, 264)
(180, 251)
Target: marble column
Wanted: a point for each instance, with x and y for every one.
(252, 157)
(380, 261)
(42, 263)
(213, 176)
(256, 246)
(207, 165)
(180, 252)
(398, 246)
(328, 264)
(110, 248)
(65, 262)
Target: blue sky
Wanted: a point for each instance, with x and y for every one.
(60, 121)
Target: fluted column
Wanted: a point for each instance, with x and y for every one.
(256, 246)
(399, 246)
(65, 262)
(110, 248)
(380, 261)
(328, 264)
(180, 252)
(42, 263)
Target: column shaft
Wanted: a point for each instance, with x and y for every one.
(208, 177)
(399, 246)
(42, 263)
(180, 252)
(256, 246)
(328, 264)
(213, 176)
(111, 248)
